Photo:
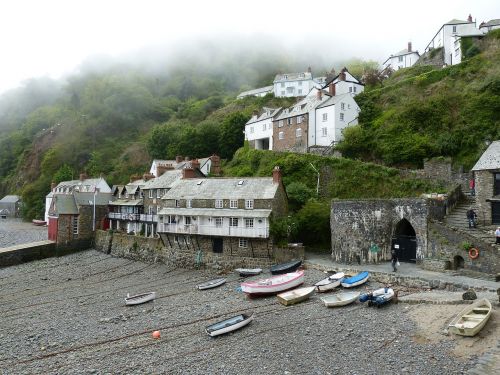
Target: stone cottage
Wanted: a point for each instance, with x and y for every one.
(10, 206)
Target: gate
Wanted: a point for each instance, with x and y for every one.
(404, 242)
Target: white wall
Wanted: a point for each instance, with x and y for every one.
(407, 61)
(446, 38)
(260, 130)
(293, 88)
(344, 87)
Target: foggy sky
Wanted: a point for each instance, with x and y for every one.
(52, 37)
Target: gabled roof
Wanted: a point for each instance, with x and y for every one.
(223, 188)
(490, 159)
(456, 22)
(68, 204)
(165, 181)
(256, 91)
(10, 199)
(127, 202)
(336, 79)
(335, 99)
(266, 113)
(494, 22)
(92, 182)
(292, 77)
(304, 106)
(403, 52)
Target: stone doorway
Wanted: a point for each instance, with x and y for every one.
(458, 262)
(404, 242)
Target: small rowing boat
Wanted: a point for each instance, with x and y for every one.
(340, 299)
(274, 284)
(211, 284)
(296, 295)
(355, 280)
(245, 272)
(139, 298)
(229, 325)
(331, 282)
(279, 269)
(38, 222)
(378, 297)
(471, 319)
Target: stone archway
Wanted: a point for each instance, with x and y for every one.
(404, 241)
(458, 262)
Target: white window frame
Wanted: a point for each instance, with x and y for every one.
(289, 121)
(150, 193)
(249, 204)
(264, 127)
(187, 220)
(400, 58)
(350, 89)
(219, 203)
(325, 117)
(150, 210)
(233, 203)
(75, 225)
(283, 83)
(243, 243)
(158, 193)
(280, 123)
(298, 132)
(177, 203)
(341, 117)
(233, 221)
(281, 135)
(299, 119)
(355, 88)
(324, 132)
(251, 129)
(218, 222)
(342, 106)
(249, 222)
(189, 203)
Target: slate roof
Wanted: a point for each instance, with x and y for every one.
(127, 202)
(67, 204)
(215, 212)
(267, 113)
(223, 188)
(88, 181)
(165, 181)
(490, 159)
(256, 91)
(292, 77)
(334, 100)
(304, 106)
(456, 22)
(10, 199)
(494, 22)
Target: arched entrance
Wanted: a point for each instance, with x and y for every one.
(458, 262)
(404, 241)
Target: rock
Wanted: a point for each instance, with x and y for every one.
(469, 295)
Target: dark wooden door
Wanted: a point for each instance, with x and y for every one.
(495, 212)
(406, 248)
(217, 245)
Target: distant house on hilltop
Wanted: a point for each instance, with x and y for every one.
(402, 59)
(296, 84)
(486, 27)
(262, 91)
(344, 83)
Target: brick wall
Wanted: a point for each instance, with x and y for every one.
(290, 141)
(484, 190)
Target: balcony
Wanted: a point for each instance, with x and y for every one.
(148, 217)
(123, 216)
(212, 230)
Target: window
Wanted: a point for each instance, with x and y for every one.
(324, 132)
(454, 29)
(151, 193)
(350, 89)
(177, 203)
(187, 220)
(249, 223)
(283, 84)
(249, 204)
(233, 203)
(342, 106)
(341, 117)
(400, 58)
(150, 210)
(325, 116)
(280, 124)
(355, 88)
(233, 221)
(75, 225)
(281, 135)
(251, 129)
(263, 126)
(300, 91)
(299, 119)
(189, 203)
(219, 203)
(298, 133)
(289, 121)
(300, 83)
(243, 243)
(269, 126)
(218, 222)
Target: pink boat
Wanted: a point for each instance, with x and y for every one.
(273, 284)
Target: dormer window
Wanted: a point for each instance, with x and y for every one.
(285, 76)
(249, 204)
(233, 203)
(219, 203)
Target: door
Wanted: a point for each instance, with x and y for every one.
(217, 244)
(404, 242)
(495, 212)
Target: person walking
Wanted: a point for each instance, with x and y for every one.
(497, 235)
(471, 218)
(394, 260)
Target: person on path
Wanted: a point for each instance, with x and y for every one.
(497, 235)
(394, 260)
(472, 186)
(471, 217)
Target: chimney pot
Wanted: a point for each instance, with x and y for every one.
(409, 46)
(178, 158)
(53, 186)
(309, 70)
(215, 165)
(83, 176)
(332, 89)
(469, 18)
(319, 94)
(147, 176)
(276, 175)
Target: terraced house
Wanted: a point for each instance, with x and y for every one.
(222, 215)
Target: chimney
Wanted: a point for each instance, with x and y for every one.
(195, 164)
(215, 165)
(188, 172)
(134, 177)
(331, 89)
(276, 175)
(178, 158)
(53, 186)
(409, 46)
(319, 94)
(309, 70)
(469, 19)
(148, 176)
(342, 74)
(83, 176)
(187, 158)
(162, 168)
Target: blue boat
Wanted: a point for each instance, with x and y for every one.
(378, 297)
(356, 280)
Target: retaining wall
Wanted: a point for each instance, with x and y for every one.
(23, 253)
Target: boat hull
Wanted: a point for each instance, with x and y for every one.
(329, 283)
(471, 319)
(356, 280)
(273, 285)
(295, 296)
(283, 268)
(211, 284)
(229, 325)
(140, 298)
(378, 297)
(246, 272)
(340, 299)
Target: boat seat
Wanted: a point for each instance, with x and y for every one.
(472, 317)
(480, 310)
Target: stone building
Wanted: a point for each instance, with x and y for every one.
(10, 206)
(399, 224)
(487, 178)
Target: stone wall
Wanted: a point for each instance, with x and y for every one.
(290, 141)
(434, 57)
(439, 207)
(23, 253)
(445, 243)
(356, 224)
(484, 191)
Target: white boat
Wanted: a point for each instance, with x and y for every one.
(245, 272)
(471, 319)
(274, 284)
(331, 282)
(340, 299)
(296, 295)
(229, 325)
(139, 298)
(355, 280)
(378, 297)
(211, 284)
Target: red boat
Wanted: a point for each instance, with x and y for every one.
(39, 222)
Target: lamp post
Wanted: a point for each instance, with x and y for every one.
(317, 183)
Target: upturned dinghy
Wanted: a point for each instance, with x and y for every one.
(211, 284)
(245, 272)
(273, 285)
(279, 269)
(378, 297)
(139, 298)
(355, 280)
(295, 296)
(229, 325)
(471, 319)
(340, 299)
(331, 282)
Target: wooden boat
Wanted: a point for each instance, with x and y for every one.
(331, 282)
(355, 280)
(139, 298)
(340, 299)
(288, 267)
(229, 325)
(471, 319)
(378, 297)
(273, 285)
(296, 295)
(38, 222)
(245, 272)
(211, 284)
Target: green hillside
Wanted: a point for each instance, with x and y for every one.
(423, 112)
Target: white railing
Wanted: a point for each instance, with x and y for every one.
(123, 216)
(212, 230)
(147, 217)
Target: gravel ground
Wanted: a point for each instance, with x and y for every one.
(67, 316)
(15, 232)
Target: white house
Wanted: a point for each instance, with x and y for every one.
(344, 83)
(332, 117)
(262, 91)
(486, 27)
(293, 84)
(159, 166)
(403, 59)
(259, 129)
(446, 38)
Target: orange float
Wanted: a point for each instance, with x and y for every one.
(473, 253)
(156, 334)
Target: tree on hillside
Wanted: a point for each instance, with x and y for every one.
(231, 136)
